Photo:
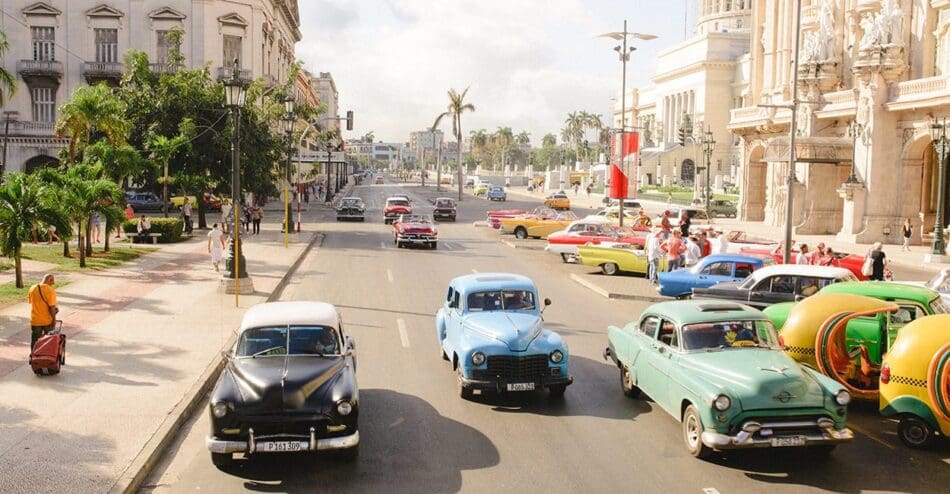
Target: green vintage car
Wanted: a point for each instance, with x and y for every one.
(719, 369)
(722, 207)
(867, 333)
(613, 258)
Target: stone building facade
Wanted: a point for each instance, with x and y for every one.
(874, 76)
(56, 46)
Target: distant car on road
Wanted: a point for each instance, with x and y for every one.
(445, 208)
(396, 206)
(481, 188)
(145, 201)
(469, 183)
(415, 229)
(496, 193)
(558, 200)
(351, 208)
(722, 207)
(379, 179)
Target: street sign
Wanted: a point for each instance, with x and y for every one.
(335, 156)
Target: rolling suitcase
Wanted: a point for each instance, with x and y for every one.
(49, 353)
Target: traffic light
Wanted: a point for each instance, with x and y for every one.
(349, 120)
(682, 136)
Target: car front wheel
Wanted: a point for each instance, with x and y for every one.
(692, 433)
(465, 393)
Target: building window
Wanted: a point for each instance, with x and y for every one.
(164, 47)
(107, 45)
(44, 104)
(728, 5)
(738, 23)
(44, 43)
(232, 49)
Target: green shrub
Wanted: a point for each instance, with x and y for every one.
(170, 228)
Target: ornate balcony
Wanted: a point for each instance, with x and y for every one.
(164, 68)
(108, 72)
(40, 71)
(919, 93)
(33, 129)
(269, 80)
(225, 73)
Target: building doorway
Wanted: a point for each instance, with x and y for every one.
(687, 172)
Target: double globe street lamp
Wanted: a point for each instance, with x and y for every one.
(287, 123)
(235, 92)
(938, 134)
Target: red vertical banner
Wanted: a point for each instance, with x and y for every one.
(624, 158)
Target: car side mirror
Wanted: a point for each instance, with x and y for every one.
(227, 354)
(350, 343)
(547, 302)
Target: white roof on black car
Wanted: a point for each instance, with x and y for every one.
(802, 270)
(290, 313)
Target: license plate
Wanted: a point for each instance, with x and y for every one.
(521, 387)
(281, 446)
(781, 442)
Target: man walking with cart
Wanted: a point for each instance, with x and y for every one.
(42, 299)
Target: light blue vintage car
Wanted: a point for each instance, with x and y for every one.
(490, 328)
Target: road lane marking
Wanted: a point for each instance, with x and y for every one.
(382, 244)
(871, 437)
(389, 275)
(403, 335)
(710, 490)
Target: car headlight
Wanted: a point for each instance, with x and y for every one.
(478, 358)
(722, 403)
(843, 397)
(344, 408)
(557, 356)
(219, 409)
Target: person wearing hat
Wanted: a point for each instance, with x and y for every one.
(652, 244)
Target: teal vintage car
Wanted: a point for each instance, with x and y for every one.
(718, 367)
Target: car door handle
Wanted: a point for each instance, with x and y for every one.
(702, 277)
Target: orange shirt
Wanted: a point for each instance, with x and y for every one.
(39, 311)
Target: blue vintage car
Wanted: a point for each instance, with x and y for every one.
(490, 328)
(709, 271)
(496, 193)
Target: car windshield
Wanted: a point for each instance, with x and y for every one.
(497, 189)
(501, 300)
(351, 202)
(444, 203)
(414, 218)
(302, 340)
(397, 202)
(729, 334)
(938, 306)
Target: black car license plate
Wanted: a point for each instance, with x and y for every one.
(281, 446)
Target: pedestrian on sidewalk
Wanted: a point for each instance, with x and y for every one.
(906, 231)
(51, 234)
(665, 226)
(43, 309)
(257, 216)
(653, 255)
(144, 228)
(674, 248)
(590, 188)
(878, 262)
(246, 219)
(802, 256)
(669, 198)
(96, 228)
(186, 214)
(216, 246)
(693, 251)
(685, 223)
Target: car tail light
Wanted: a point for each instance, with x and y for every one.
(885, 374)
(781, 341)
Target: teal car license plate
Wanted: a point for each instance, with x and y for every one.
(520, 386)
(781, 442)
(281, 446)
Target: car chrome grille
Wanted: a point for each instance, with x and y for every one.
(509, 368)
(784, 426)
(289, 424)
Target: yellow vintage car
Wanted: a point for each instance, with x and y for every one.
(537, 227)
(558, 200)
(616, 258)
(481, 188)
(212, 202)
(915, 381)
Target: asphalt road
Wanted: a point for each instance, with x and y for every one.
(418, 436)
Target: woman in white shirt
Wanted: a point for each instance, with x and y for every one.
(693, 252)
(216, 246)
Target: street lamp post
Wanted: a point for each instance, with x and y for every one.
(708, 145)
(8, 116)
(855, 130)
(235, 92)
(938, 132)
(287, 122)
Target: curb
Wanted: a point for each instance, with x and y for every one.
(513, 245)
(612, 295)
(480, 224)
(155, 448)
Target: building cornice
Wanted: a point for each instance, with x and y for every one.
(693, 67)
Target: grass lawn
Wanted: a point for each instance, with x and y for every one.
(98, 261)
(684, 197)
(10, 294)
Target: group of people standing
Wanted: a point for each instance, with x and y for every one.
(679, 246)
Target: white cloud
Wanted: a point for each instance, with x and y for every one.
(528, 62)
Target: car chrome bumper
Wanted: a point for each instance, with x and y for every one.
(499, 385)
(744, 439)
(217, 445)
(423, 240)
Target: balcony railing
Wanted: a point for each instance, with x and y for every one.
(918, 87)
(33, 129)
(225, 73)
(164, 68)
(269, 80)
(97, 71)
(43, 69)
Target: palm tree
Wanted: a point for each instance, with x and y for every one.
(25, 203)
(92, 109)
(548, 141)
(85, 191)
(478, 140)
(369, 137)
(573, 131)
(457, 106)
(503, 138)
(7, 80)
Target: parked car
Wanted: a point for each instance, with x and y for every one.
(722, 207)
(415, 229)
(495, 217)
(720, 370)
(396, 206)
(851, 262)
(490, 328)
(481, 188)
(351, 208)
(617, 258)
(709, 271)
(211, 202)
(776, 283)
(289, 385)
(496, 193)
(537, 227)
(631, 204)
(379, 179)
(145, 201)
(939, 283)
(469, 183)
(592, 230)
(558, 200)
(445, 208)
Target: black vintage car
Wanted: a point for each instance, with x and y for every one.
(145, 201)
(351, 208)
(445, 208)
(289, 385)
(775, 284)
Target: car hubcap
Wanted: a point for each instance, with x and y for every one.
(692, 431)
(915, 434)
(627, 382)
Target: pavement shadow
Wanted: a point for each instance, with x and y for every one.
(430, 451)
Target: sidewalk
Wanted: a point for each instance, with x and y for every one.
(913, 259)
(142, 339)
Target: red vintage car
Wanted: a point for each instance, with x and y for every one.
(494, 217)
(592, 230)
(396, 206)
(851, 262)
(415, 229)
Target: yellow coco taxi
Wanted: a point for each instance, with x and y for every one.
(558, 200)
(537, 227)
(915, 381)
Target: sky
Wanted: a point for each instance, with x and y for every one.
(527, 63)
